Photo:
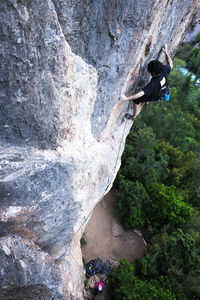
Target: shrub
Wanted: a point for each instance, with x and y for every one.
(130, 204)
(82, 242)
(126, 286)
(197, 38)
(84, 262)
(167, 206)
(173, 255)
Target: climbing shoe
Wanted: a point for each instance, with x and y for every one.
(129, 117)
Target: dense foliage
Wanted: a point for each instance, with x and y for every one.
(127, 286)
(159, 178)
(190, 52)
(176, 257)
(158, 190)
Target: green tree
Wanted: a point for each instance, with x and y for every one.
(158, 179)
(167, 207)
(173, 255)
(183, 51)
(197, 38)
(126, 286)
(192, 226)
(194, 60)
(182, 167)
(140, 161)
(130, 204)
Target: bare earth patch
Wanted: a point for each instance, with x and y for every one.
(99, 235)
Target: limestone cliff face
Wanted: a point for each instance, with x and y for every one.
(63, 65)
(193, 29)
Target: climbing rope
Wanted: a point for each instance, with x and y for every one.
(115, 166)
(116, 161)
(109, 180)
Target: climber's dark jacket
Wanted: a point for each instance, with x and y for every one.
(153, 90)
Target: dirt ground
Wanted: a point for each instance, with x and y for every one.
(99, 239)
(100, 242)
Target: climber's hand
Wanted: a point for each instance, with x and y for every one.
(168, 58)
(123, 97)
(164, 48)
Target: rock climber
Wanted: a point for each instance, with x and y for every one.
(99, 286)
(157, 88)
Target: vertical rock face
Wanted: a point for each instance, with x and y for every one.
(63, 66)
(193, 29)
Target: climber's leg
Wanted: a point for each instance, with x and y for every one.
(136, 109)
(142, 99)
(137, 106)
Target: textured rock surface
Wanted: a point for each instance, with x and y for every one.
(22, 264)
(193, 29)
(63, 66)
(117, 228)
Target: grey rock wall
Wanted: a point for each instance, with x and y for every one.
(193, 29)
(63, 64)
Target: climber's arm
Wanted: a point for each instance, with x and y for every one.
(132, 97)
(168, 58)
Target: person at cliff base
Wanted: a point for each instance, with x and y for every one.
(157, 88)
(99, 286)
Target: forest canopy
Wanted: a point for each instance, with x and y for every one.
(158, 190)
